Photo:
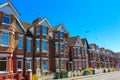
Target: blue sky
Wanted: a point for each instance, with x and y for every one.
(100, 17)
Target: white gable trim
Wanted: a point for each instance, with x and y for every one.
(61, 26)
(11, 6)
(45, 19)
(21, 24)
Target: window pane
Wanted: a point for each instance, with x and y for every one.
(44, 66)
(61, 35)
(38, 64)
(37, 30)
(5, 38)
(74, 52)
(28, 45)
(56, 48)
(3, 64)
(37, 46)
(62, 48)
(20, 42)
(62, 62)
(6, 19)
(44, 30)
(44, 46)
(19, 64)
(56, 35)
(28, 64)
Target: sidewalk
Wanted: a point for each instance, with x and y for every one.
(81, 77)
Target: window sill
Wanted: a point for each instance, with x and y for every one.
(4, 45)
(45, 51)
(3, 72)
(5, 24)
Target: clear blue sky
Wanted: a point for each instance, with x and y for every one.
(100, 17)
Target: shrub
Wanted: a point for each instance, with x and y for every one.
(86, 72)
(57, 74)
(34, 77)
(43, 73)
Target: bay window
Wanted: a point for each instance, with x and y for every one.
(6, 19)
(38, 30)
(3, 64)
(29, 45)
(44, 30)
(44, 65)
(5, 39)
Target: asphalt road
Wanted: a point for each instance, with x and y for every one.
(104, 76)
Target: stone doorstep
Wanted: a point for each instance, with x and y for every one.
(87, 76)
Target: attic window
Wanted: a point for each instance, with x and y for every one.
(6, 19)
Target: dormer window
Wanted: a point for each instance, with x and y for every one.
(44, 30)
(38, 30)
(6, 19)
(61, 35)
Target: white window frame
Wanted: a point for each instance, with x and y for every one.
(61, 43)
(28, 60)
(45, 59)
(6, 64)
(44, 30)
(39, 45)
(20, 59)
(37, 31)
(6, 15)
(30, 44)
(56, 35)
(20, 36)
(46, 45)
(5, 31)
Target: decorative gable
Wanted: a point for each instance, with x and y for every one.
(8, 8)
(61, 28)
(44, 22)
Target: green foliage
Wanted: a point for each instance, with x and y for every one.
(34, 77)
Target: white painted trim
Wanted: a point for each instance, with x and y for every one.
(45, 19)
(61, 26)
(5, 30)
(44, 58)
(29, 38)
(4, 55)
(57, 58)
(20, 56)
(11, 6)
(37, 58)
(21, 24)
(20, 35)
(28, 58)
(37, 39)
(44, 40)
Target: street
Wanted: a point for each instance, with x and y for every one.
(104, 76)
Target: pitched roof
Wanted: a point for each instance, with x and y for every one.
(72, 40)
(85, 40)
(56, 28)
(26, 25)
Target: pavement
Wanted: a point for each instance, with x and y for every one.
(101, 76)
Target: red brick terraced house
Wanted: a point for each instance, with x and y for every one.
(94, 56)
(75, 45)
(37, 46)
(84, 53)
(60, 49)
(11, 34)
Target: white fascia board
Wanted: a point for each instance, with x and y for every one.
(4, 55)
(45, 19)
(20, 56)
